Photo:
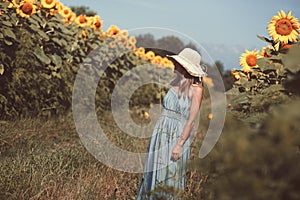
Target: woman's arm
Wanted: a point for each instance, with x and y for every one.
(197, 93)
(196, 99)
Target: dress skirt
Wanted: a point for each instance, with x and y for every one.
(159, 169)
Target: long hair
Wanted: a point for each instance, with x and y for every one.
(184, 80)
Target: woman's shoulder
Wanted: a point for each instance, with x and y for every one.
(196, 86)
(196, 89)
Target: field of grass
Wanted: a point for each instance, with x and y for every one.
(45, 159)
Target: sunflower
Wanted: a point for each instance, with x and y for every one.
(48, 3)
(157, 60)
(59, 6)
(140, 52)
(96, 22)
(167, 63)
(113, 30)
(132, 40)
(150, 55)
(72, 17)
(171, 65)
(124, 33)
(82, 20)
(284, 27)
(66, 13)
(235, 74)
(248, 60)
(122, 39)
(26, 8)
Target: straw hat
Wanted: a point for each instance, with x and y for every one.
(190, 60)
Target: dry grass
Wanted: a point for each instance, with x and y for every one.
(46, 160)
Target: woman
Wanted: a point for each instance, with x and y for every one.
(169, 147)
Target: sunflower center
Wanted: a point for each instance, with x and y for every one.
(82, 19)
(115, 32)
(66, 11)
(27, 8)
(49, 1)
(97, 24)
(251, 60)
(284, 27)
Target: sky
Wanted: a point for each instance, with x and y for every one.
(225, 28)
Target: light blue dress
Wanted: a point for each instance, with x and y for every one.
(159, 169)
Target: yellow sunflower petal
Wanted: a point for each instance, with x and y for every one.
(289, 15)
(283, 15)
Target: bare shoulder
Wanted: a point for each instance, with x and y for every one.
(197, 88)
(196, 91)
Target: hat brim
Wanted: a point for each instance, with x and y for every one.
(192, 69)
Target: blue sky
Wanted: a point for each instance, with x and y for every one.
(224, 27)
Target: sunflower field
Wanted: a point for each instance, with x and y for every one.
(43, 44)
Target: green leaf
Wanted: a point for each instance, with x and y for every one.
(57, 41)
(34, 21)
(265, 64)
(250, 83)
(40, 32)
(40, 54)
(7, 23)
(8, 33)
(64, 29)
(14, 18)
(273, 88)
(265, 39)
(242, 81)
(242, 98)
(56, 60)
(3, 5)
(7, 42)
(64, 42)
(291, 59)
(276, 57)
(37, 18)
(233, 91)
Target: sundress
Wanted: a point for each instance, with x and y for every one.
(159, 169)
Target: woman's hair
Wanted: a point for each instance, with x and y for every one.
(184, 80)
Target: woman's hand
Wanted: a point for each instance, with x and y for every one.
(176, 152)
